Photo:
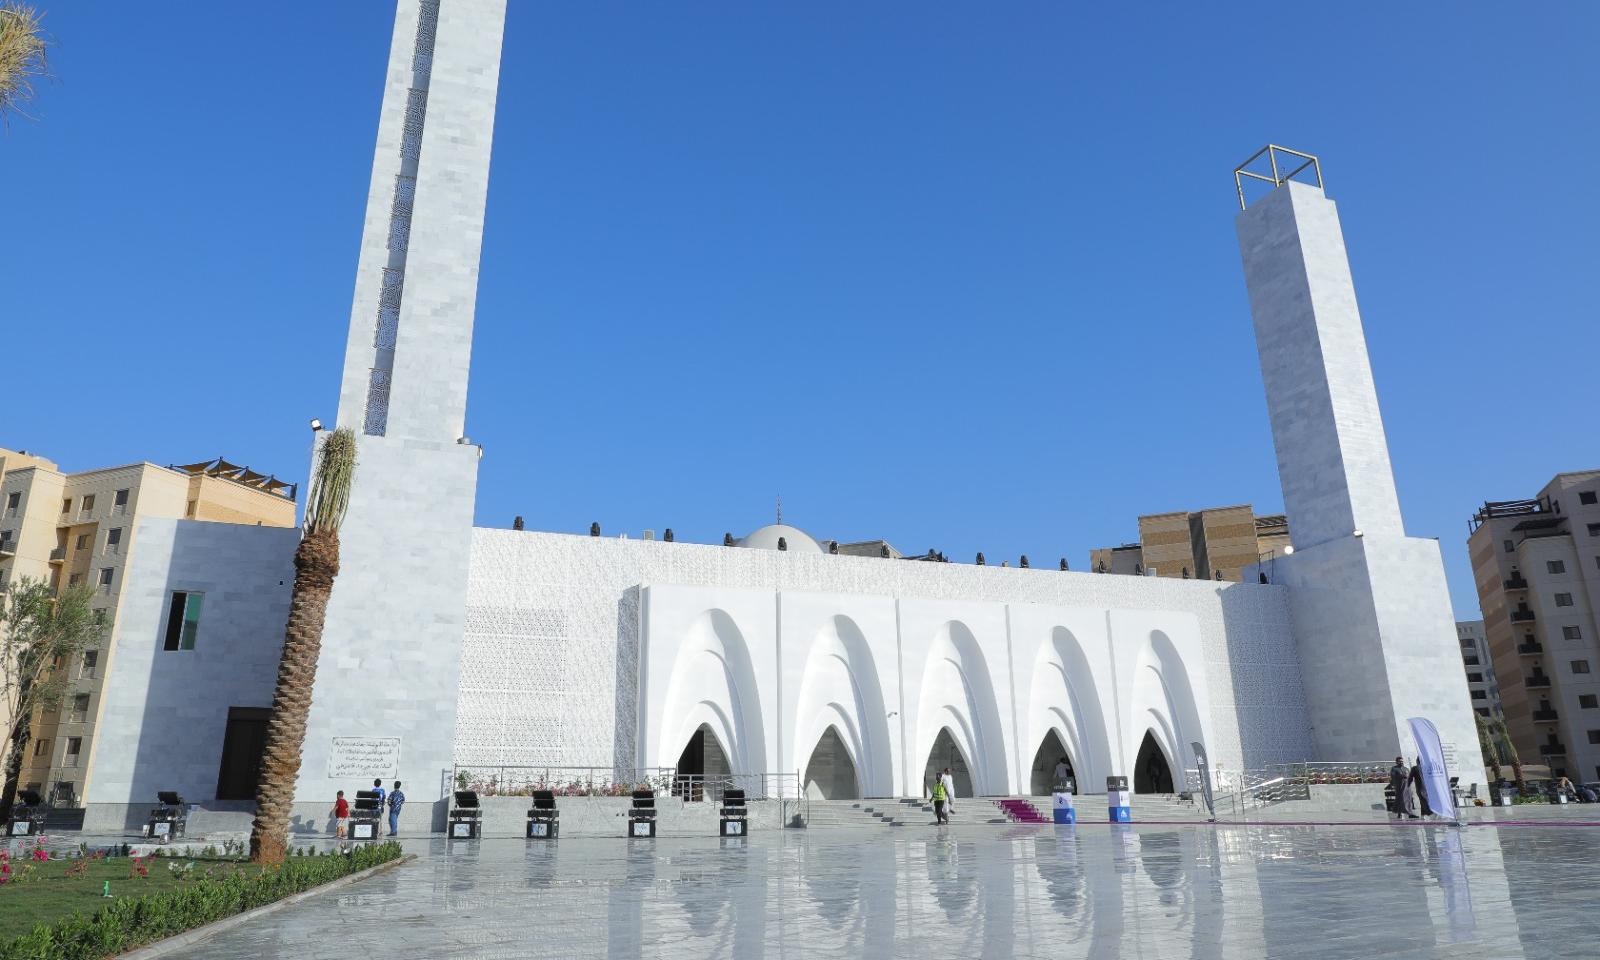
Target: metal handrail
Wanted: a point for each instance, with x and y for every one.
(520, 780)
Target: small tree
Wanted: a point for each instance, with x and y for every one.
(41, 634)
(22, 55)
(1511, 751)
(1486, 743)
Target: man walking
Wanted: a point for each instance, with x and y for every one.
(1400, 785)
(949, 792)
(396, 801)
(939, 796)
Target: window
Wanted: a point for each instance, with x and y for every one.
(1563, 599)
(1474, 678)
(1482, 711)
(1479, 695)
(1580, 666)
(91, 664)
(1594, 736)
(87, 507)
(1510, 547)
(74, 579)
(80, 708)
(114, 540)
(66, 507)
(1587, 497)
(1555, 566)
(100, 616)
(106, 573)
(119, 505)
(1470, 659)
(74, 748)
(1594, 529)
(83, 541)
(1571, 633)
(190, 511)
(1589, 701)
(41, 748)
(13, 502)
(183, 620)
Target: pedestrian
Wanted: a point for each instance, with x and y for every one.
(1421, 787)
(1400, 785)
(1063, 775)
(939, 797)
(949, 792)
(341, 816)
(396, 801)
(377, 790)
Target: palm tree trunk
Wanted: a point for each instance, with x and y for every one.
(316, 563)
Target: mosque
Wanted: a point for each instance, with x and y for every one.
(450, 648)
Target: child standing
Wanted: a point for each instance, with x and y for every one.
(341, 816)
(396, 801)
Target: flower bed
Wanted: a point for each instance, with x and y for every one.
(58, 909)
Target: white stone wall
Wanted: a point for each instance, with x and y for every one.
(548, 673)
(165, 712)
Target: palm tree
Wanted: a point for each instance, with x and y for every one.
(316, 563)
(22, 55)
(1486, 743)
(1511, 750)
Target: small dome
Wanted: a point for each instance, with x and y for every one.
(796, 540)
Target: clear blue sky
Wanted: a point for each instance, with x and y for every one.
(961, 276)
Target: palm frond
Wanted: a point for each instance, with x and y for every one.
(23, 46)
(330, 484)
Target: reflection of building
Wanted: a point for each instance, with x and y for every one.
(68, 529)
(1213, 544)
(775, 657)
(1481, 684)
(1537, 566)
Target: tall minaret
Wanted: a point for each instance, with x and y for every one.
(1372, 615)
(391, 647)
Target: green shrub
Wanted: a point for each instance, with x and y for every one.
(127, 923)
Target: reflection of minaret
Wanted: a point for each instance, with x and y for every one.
(1373, 621)
(391, 646)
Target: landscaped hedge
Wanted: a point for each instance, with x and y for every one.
(132, 922)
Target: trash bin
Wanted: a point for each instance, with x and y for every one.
(168, 820)
(1119, 800)
(544, 820)
(466, 816)
(1062, 807)
(642, 815)
(735, 820)
(364, 816)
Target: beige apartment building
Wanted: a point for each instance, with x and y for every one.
(1212, 544)
(80, 528)
(1537, 568)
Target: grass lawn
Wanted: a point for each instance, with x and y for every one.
(47, 894)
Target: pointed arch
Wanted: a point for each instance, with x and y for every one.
(1065, 700)
(713, 685)
(840, 689)
(958, 696)
(1164, 706)
(830, 771)
(1042, 774)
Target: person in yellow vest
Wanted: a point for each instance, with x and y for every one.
(939, 798)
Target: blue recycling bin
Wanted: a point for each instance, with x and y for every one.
(1063, 809)
(1119, 800)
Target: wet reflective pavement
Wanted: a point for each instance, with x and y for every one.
(996, 892)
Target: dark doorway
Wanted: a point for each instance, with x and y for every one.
(830, 774)
(703, 765)
(1151, 773)
(945, 753)
(242, 746)
(1052, 752)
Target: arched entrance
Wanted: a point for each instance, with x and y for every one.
(1042, 781)
(945, 753)
(830, 773)
(703, 761)
(1151, 771)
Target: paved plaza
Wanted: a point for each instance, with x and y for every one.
(968, 891)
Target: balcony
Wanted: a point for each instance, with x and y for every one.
(1537, 680)
(8, 547)
(1530, 648)
(58, 555)
(1544, 716)
(1522, 616)
(1517, 583)
(1553, 749)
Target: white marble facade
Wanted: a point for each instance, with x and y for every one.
(606, 652)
